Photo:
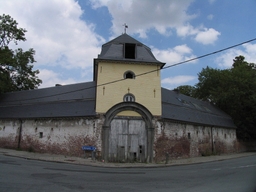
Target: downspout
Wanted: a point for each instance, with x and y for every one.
(212, 141)
(20, 133)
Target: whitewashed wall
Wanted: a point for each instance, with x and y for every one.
(9, 130)
(181, 140)
(67, 136)
(60, 136)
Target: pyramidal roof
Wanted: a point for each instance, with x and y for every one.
(125, 48)
(124, 38)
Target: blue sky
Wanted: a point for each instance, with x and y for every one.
(67, 34)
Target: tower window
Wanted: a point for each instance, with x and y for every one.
(129, 75)
(129, 98)
(129, 51)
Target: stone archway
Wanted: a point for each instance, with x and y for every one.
(128, 106)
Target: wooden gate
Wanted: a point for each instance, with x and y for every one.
(127, 140)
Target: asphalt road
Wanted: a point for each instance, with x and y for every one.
(236, 175)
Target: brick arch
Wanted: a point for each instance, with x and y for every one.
(131, 106)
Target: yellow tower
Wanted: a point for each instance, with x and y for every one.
(127, 71)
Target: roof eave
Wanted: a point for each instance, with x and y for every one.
(129, 61)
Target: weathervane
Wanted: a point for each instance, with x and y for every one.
(125, 27)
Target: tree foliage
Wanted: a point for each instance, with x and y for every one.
(186, 90)
(16, 69)
(234, 91)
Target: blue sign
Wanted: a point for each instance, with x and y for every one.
(88, 148)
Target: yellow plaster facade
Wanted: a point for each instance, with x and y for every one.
(145, 88)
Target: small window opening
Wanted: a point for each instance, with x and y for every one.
(225, 136)
(129, 75)
(129, 98)
(129, 51)
(189, 137)
(41, 135)
(134, 156)
(140, 148)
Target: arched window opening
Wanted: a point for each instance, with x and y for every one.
(129, 75)
(129, 98)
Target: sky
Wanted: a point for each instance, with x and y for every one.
(68, 34)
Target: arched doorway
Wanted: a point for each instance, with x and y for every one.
(126, 137)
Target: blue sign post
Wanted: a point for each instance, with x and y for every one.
(89, 148)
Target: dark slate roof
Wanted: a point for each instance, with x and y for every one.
(179, 107)
(61, 101)
(113, 50)
(78, 100)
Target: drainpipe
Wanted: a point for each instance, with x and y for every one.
(20, 132)
(212, 141)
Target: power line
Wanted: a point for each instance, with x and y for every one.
(199, 57)
(119, 80)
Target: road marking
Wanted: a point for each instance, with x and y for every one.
(239, 167)
(246, 166)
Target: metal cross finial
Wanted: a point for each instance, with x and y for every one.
(125, 27)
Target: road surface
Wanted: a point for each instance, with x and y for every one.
(18, 174)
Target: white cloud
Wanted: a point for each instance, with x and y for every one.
(163, 16)
(141, 16)
(208, 36)
(201, 34)
(186, 30)
(248, 51)
(172, 56)
(173, 82)
(56, 32)
(50, 78)
(183, 49)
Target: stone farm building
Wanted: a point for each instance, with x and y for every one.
(124, 112)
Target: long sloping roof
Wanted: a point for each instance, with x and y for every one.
(114, 51)
(179, 107)
(78, 100)
(60, 101)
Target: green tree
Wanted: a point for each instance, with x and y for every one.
(16, 69)
(234, 91)
(186, 90)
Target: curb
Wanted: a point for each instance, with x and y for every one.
(87, 162)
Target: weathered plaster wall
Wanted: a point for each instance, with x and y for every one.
(67, 136)
(183, 140)
(9, 131)
(59, 136)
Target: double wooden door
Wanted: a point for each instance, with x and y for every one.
(127, 140)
